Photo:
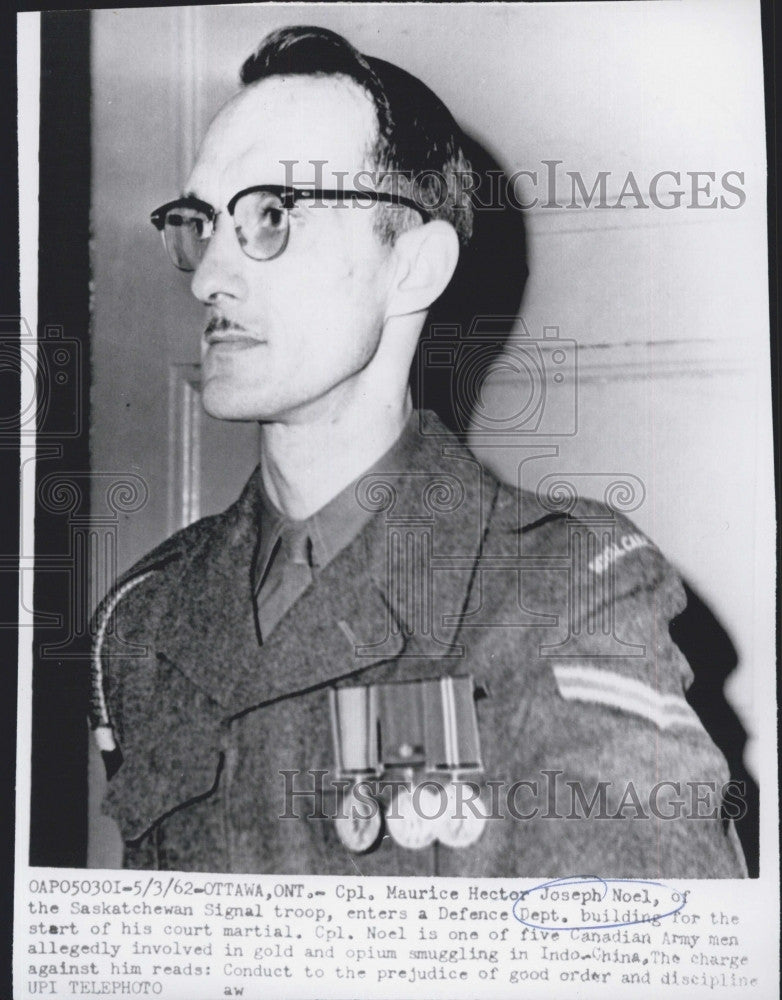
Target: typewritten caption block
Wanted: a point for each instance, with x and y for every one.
(201, 937)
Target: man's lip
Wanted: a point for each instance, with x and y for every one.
(227, 337)
(222, 330)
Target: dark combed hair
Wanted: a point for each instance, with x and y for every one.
(418, 151)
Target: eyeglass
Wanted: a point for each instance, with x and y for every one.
(260, 215)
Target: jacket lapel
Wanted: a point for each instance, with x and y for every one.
(210, 632)
(425, 544)
(395, 593)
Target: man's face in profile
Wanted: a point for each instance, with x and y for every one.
(287, 335)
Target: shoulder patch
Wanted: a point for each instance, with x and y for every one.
(605, 687)
(617, 550)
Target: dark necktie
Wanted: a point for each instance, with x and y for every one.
(288, 575)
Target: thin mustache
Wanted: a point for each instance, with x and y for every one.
(219, 324)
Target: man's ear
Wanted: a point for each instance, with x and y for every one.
(426, 258)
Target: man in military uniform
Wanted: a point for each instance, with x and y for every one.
(380, 660)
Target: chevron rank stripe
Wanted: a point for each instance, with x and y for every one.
(604, 687)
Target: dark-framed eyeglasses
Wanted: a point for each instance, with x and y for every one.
(260, 216)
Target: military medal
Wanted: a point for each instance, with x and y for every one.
(412, 819)
(463, 821)
(418, 728)
(455, 750)
(359, 823)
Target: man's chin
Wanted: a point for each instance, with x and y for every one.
(223, 404)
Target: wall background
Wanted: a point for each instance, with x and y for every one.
(668, 307)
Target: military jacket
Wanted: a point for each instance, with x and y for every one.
(556, 608)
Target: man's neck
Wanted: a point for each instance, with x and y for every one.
(307, 464)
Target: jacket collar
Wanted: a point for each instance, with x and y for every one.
(337, 523)
(397, 590)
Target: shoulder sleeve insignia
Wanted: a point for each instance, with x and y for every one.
(615, 551)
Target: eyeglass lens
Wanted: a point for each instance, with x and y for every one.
(260, 220)
(186, 235)
(261, 223)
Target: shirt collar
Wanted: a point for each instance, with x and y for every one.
(336, 524)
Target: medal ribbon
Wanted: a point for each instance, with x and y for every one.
(428, 724)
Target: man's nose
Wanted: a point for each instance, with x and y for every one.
(220, 269)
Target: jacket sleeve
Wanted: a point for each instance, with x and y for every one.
(157, 732)
(639, 786)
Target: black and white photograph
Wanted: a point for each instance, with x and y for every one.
(398, 502)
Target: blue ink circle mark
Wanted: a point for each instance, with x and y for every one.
(574, 880)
